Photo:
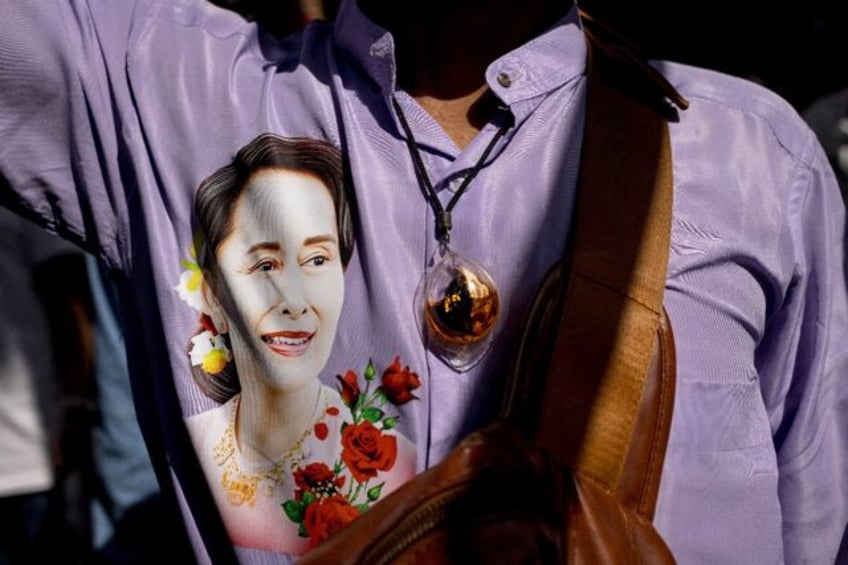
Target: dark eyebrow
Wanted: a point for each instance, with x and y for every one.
(274, 246)
(263, 245)
(320, 239)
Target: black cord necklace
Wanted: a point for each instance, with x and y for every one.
(443, 213)
(457, 301)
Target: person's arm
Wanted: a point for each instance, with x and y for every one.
(803, 362)
(63, 93)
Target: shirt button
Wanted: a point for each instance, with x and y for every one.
(504, 80)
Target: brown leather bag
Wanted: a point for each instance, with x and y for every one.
(570, 473)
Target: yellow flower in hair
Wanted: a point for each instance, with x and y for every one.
(209, 352)
(215, 361)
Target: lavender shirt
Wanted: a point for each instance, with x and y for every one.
(112, 112)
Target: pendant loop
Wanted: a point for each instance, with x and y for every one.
(444, 224)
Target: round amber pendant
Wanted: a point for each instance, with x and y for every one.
(458, 306)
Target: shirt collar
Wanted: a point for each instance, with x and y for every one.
(548, 61)
(369, 45)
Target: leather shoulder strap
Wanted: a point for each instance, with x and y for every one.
(578, 389)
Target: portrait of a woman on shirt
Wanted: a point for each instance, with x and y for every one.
(285, 454)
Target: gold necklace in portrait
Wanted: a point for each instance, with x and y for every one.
(243, 487)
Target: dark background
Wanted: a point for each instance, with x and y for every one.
(797, 52)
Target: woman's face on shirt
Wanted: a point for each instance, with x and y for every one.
(282, 267)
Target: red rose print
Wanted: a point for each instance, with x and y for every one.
(366, 450)
(318, 479)
(319, 505)
(398, 383)
(321, 431)
(349, 388)
(326, 516)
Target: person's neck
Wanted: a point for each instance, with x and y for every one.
(271, 422)
(443, 48)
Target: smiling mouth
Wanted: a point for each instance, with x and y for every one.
(288, 344)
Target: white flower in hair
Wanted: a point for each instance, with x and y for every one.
(209, 352)
(190, 287)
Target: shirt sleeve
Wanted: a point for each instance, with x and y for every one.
(63, 100)
(804, 369)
